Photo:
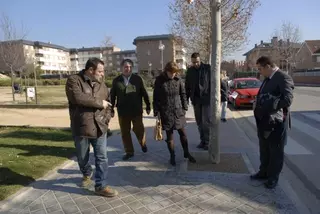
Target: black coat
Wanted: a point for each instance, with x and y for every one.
(169, 99)
(273, 102)
(224, 90)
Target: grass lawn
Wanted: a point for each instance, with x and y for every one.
(28, 153)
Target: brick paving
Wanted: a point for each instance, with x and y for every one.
(148, 184)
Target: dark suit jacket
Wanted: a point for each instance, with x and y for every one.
(273, 102)
(192, 83)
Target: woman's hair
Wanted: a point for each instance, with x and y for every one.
(223, 74)
(172, 67)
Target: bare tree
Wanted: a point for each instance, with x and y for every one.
(107, 41)
(289, 42)
(193, 24)
(11, 49)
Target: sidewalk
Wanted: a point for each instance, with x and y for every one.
(148, 184)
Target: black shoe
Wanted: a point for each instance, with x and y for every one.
(190, 158)
(201, 146)
(127, 157)
(172, 160)
(271, 184)
(144, 148)
(258, 176)
(224, 120)
(206, 147)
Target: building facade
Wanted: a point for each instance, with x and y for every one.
(80, 56)
(276, 49)
(308, 57)
(150, 50)
(49, 57)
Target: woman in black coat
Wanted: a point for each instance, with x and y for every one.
(170, 101)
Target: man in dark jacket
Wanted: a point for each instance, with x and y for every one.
(272, 114)
(197, 86)
(126, 94)
(90, 114)
(224, 95)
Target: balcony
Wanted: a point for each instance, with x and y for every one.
(180, 57)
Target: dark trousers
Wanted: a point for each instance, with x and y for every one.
(202, 114)
(183, 140)
(272, 150)
(138, 129)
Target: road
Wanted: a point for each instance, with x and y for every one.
(303, 148)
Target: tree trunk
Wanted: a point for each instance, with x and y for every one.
(214, 147)
(12, 86)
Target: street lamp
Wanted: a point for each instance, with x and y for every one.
(150, 65)
(161, 48)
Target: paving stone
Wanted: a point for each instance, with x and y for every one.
(128, 199)
(98, 202)
(176, 198)
(42, 211)
(103, 207)
(142, 210)
(185, 204)
(165, 203)
(147, 200)
(90, 211)
(70, 209)
(122, 209)
(154, 207)
(116, 203)
(194, 210)
(135, 205)
(173, 209)
(53, 208)
(110, 212)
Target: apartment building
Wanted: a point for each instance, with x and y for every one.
(80, 56)
(151, 49)
(273, 50)
(50, 57)
(118, 56)
(308, 56)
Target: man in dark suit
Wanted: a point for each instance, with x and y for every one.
(272, 114)
(197, 87)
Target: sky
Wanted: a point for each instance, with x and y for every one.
(80, 23)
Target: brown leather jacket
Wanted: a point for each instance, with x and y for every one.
(88, 118)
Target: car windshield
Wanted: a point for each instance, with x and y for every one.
(248, 84)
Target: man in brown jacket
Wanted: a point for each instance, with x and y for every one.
(90, 114)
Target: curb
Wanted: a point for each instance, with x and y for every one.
(33, 106)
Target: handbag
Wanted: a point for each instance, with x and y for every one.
(158, 130)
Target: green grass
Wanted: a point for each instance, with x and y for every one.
(28, 153)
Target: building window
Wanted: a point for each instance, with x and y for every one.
(118, 69)
(110, 58)
(148, 52)
(110, 64)
(118, 56)
(318, 58)
(118, 62)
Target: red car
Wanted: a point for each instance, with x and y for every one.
(243, 91)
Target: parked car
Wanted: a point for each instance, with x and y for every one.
(243, 91)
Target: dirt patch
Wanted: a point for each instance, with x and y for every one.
(229, 162)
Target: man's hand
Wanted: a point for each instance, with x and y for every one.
(148, 110)
(106, 104)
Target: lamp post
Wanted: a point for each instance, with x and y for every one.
(150, 65)
(161, 48)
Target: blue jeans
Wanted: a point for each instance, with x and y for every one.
(100, 153)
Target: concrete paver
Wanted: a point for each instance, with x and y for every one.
(148, 184)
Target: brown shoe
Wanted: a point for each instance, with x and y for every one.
(106, 192)
(86, 180)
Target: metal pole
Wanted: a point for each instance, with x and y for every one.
(161, 59)
(214, 147)
(35, 84)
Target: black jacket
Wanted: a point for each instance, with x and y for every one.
(192, 84)
(224, 90)
(273, 102)
(169, 99)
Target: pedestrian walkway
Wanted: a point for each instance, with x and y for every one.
(148, 184)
